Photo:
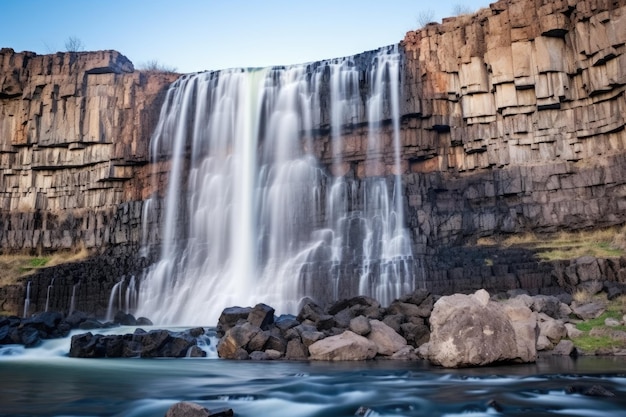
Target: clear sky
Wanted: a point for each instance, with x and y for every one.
(198, 35)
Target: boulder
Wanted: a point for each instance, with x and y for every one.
(587, 311)
(188, 409)
(296, 351)
(572, 331)
(261, 316)
(415, 334)
(236, 338)
(471, 330)
(347, 346)
(230, 317)
(564, 348)
(386, 339)
(360, 325)
(554, 330)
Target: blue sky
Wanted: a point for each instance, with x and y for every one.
(196, 35)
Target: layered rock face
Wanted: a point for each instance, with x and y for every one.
(74, 136)
(512, 120)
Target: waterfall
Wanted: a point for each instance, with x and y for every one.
(48, 294)
(256, 210)
(27, 300)
(115, 293)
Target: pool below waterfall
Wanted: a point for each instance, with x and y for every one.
(45, 382)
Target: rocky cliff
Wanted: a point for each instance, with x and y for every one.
(513, 121)
(74, 136)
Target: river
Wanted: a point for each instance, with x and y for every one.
(43, 381)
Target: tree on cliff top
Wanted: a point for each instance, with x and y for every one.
(154, 65)
(74, 44)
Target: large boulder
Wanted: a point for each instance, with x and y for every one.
(386, 339)
(347, 346)
(471, 330)
(188, 409)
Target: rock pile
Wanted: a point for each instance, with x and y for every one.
(453, 331)
(351, 329)
(152, 344)
(50, 325)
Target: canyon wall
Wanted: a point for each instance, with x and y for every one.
(74, 134)
(513, 121)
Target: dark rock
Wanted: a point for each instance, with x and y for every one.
(311, 311)
(277, 344)
(394, 321)
(258, 341)
(143, 321)
(546, 304)
(342, 318)
(405, 309)
(417, 297)
(177, 347)
(29, 336)
(308, 338)
(564, 348)
(361, 301)
(285, 322)
(81, 345)
(76, 318)
(326, 322)
(124, 319)
(259, 356)
(415, 334)
(195, 332)
(196, 352)
(261, 316)
(230, 317)
(90, 324)
(591, 391)
(46, 323)
(152, 342)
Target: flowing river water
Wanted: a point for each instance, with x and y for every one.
(44, 381)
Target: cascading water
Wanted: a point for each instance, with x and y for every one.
(49, 289)
(252, 214)
(27, 300)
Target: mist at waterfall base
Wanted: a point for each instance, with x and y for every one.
(43, 381)
(250, 214)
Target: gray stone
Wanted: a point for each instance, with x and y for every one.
(360, 325)
(347, 346)
(386, 339)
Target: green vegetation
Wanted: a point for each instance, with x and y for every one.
(601, 339)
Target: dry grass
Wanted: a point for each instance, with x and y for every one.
(601, 243)
(15, 267)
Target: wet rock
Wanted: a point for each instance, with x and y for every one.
(188, 409)
(230, 317)
(90, 324)
(591, 391)
(285, 322)
(236, 338)
(394, 321)
(76, 318)
(125, 319)
(153, 344)
(144, 321)
(347, 346)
